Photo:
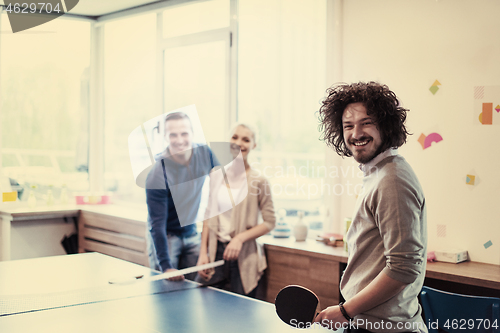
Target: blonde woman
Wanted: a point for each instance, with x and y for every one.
(230, 230)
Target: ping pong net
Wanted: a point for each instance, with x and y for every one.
(16, 304)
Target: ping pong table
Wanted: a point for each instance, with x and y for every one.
(71, 293)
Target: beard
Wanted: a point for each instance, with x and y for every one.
(366, 156)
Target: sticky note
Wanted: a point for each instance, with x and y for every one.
(421, 139)
(488, 244)
(426, 141)
(486, 117)
(479, 92)
(9, 196)
(486, 102)
(441, 230)
(470, 179)
(434, 89)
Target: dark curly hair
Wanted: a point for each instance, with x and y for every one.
(381, 104)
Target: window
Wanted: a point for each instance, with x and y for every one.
(129, 86)
(191, 67)
(196, 74)
(281, 81)
(44, 105)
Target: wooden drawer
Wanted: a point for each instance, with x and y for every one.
(118, 237)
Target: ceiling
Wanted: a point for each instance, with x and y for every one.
(103, 7)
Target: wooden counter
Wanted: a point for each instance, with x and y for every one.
(292, 262)
(114, 230)
(310, 246)
(120, 232)
(469, 278)
(11, 214)
(41, 213)
(311, 264)
(469, 272)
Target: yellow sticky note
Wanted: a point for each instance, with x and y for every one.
(9, 196)
(470, 179)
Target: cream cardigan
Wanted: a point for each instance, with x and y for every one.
(244, 216)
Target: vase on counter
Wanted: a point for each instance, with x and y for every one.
(300, 228)
(64, 200)
(31, 197)
(50, 196)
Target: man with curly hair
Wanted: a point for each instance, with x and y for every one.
(387, 240)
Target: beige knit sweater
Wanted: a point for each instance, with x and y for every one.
(388, 233)
(245, 215)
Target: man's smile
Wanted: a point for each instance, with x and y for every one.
(360, 144)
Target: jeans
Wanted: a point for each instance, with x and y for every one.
(183, 252)
(227, 276)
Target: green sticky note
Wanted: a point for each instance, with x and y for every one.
(434, 89)
(488, 244)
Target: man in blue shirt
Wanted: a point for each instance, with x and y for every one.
(173, 195)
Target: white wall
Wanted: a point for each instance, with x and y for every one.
(408, 44)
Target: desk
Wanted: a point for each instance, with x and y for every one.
(146, 307)
(470, 278)
(7, 216)
(114, 230)
(299, 262)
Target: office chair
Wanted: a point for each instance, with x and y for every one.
(456, 313)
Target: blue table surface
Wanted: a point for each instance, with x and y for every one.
(141, 307)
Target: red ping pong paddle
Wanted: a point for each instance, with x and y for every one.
(296, 304)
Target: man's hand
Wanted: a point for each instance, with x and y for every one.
(177, 278)
(202, 260)
(332, 315)
(233, 249)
